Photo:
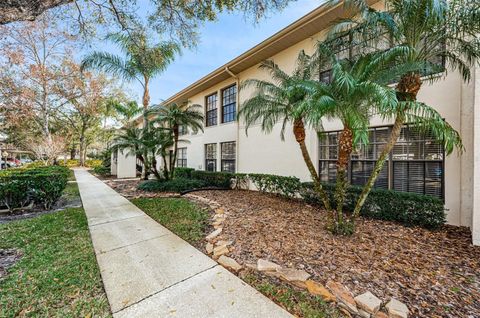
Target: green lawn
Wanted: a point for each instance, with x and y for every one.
(58, 275)
(180, 216)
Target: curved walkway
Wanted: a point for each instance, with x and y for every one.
(150, 272)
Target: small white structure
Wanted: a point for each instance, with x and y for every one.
(123, 164)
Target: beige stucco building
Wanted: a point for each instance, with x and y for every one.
(417, 164)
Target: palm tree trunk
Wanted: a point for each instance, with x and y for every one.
(146, 101)
(345, 148)
(407, 90)
(175, 150)
(299, 133)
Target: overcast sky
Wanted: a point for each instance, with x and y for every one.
(220, 42)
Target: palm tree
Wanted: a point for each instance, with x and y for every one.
(126, 111)
(141, 62)
(130, 139)
(352, 95)
(432, 30)
(172, 117)
(280, 100)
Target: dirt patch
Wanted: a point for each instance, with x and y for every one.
(436, 273)
(8, 258)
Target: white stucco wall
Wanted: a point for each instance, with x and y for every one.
(126, 165)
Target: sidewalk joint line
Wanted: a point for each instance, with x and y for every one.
(113, 221)
(131, 244)
(168, 287)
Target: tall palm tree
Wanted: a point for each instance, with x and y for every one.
(172, 117)
(141, 62)
(432, 30)
(279, 100)
(126, 111)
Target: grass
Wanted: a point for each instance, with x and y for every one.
(299, 303)
(71, 191)
(58, 275)
(180, 216)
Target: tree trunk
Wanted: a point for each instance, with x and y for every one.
(299, 133)
(146, 101)
(165, 167)
(345, 147)
(82, 150)
(407, 90)
(175, 150)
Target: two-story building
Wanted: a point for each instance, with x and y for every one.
(416, 164)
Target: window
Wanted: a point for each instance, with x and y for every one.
(182, 130)
(356, 42)
(211, 157)
(414, 165)
(229, 102)
(211, 109)
(228, 156)
(182, 157)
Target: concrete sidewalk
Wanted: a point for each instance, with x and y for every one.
(150, 272)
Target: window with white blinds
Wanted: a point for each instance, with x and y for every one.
(211, 157)
(182, 157)
(414, 165)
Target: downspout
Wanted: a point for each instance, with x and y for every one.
(237, 83)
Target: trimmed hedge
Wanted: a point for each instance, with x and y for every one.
(39, 186)
(281, 185)
(214, 179)
(407, 208)
(174, 185)
(182, 172)
(101, 170)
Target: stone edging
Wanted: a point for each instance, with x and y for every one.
(366, 305)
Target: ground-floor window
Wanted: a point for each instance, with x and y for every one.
(211, 157)
(182, 157)
(228, 156)
(416, 163)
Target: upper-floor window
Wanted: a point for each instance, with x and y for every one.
(211, 110)
(182, 157)
(229, 104)
(358, 41)
(182, 130)
(211, 157)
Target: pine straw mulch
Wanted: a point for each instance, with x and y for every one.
(436, 273)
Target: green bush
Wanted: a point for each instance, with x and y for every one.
(34, 164)
(214, 179)
(174, 185)
(285, 186)
(40, 186)
(182, 172)
(101, 170)
(407, 208)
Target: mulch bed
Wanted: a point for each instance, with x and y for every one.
(128, 189)
(436, 273)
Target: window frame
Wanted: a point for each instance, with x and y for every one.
(211, 107)
(390, 164)
(211, 160)
(231, 113)
(225, 162)
(181, 159)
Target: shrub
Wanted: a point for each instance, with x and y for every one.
(70, 163)
(285, 186)
(214, 179)
(174, 185)
(40, 186)
(407, 208)
(92, 163)
(182, 172)
(101, 170)
(34, 164)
